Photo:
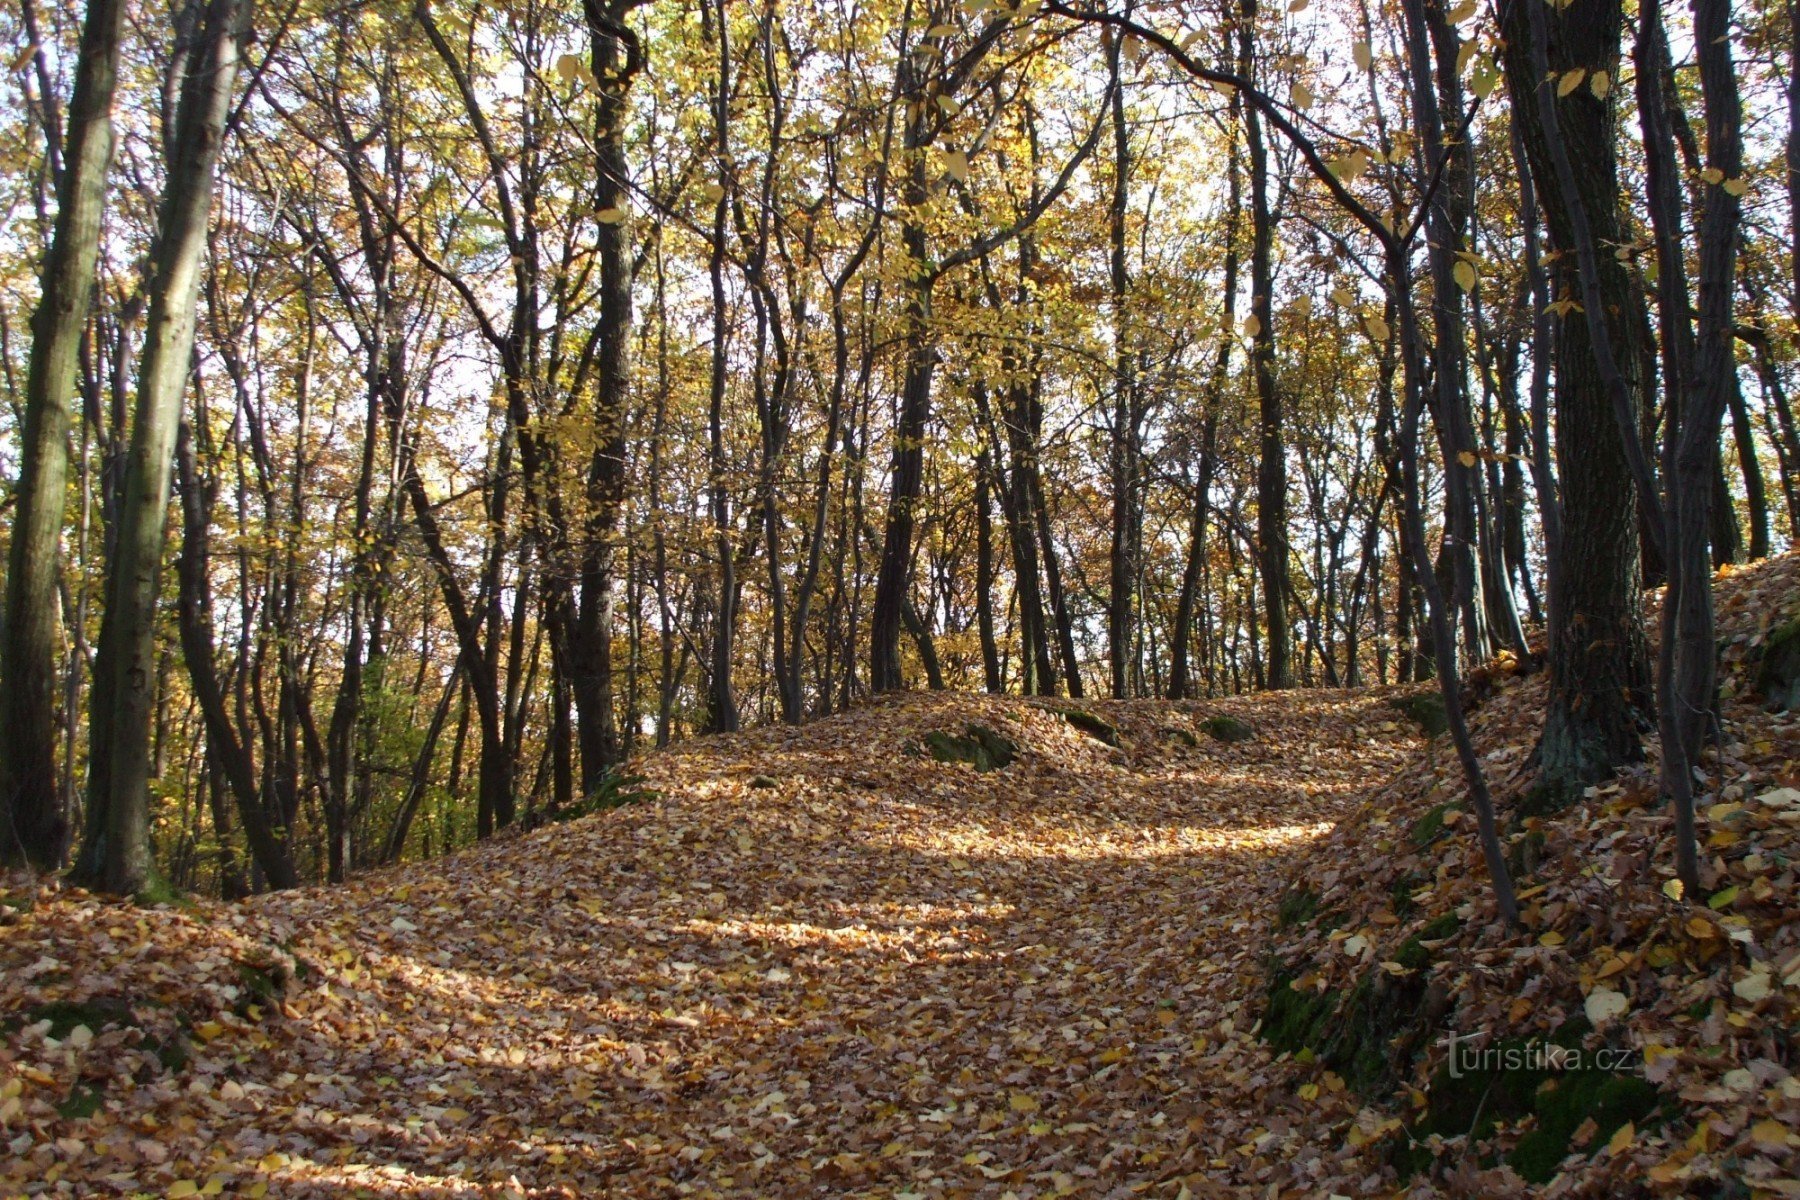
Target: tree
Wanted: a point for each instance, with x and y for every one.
(32, 827)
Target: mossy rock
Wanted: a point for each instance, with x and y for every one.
(1513, 1080)
(979, 746)
(1778, 674)
(1181, 737)
(1095, 727)
(101, 1012)
(1224, 728)
(1427, 709)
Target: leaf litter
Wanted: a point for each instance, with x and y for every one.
(887, 976)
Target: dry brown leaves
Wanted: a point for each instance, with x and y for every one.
(884, 976)
(1705, 989)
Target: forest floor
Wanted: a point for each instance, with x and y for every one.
(819, 962)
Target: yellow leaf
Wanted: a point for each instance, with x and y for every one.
(1300, 95)
(568, 68)
(1552, 938)
(1673, 889)
(1570, 81)
(208, 1030)
(1462, 12)
(1020, 1102)
(714, 192)
(1378, 328)
(182, 1187)
(956, 165)
(1342, 296)
(1600, 84)
(1736, 187)
(456, 1115)
(1713, 175)
(1252, 325)
(1465, 276)
(1621, 1139)
(1363, 56)
(1771, 1134)
(610, 216)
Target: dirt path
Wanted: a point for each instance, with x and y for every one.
(873, 974)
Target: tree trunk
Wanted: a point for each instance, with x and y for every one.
(125, 669)
(33, 828)
(1599, 666)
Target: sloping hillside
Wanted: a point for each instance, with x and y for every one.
(840, 961)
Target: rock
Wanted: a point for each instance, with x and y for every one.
(1225, 728)
(1778, 675)
(1095, 727)
(1427, 708)
(979, 746)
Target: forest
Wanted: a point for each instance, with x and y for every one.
(414, 412)
(900, 598)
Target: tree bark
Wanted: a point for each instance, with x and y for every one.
(33, 828)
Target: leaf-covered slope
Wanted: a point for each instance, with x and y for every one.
(1695, 1003)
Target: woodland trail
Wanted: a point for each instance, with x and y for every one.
(872, 975)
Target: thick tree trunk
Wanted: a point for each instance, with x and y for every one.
(126, 668)
(615, 59)
(1599, 666)
(33, 828)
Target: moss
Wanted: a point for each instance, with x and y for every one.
(1428, 828)
(1297, 907)
(1512, 1083)
(762, 782)
(1095, 727)
(980, 747)
(83, 1102)
(1295, 1020)
(1400, 894)
(1181, 737)
(1223, 728)
(1426, 708)
(105, 1012)
(1778, 674)
(99, 1013)
(1413, 954)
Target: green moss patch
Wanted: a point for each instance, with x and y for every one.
(1098, 728)
(978, 746)
(1519, 1083)
(1427, 709)
(1428, 828)
(1372, 1034)
(1223, 728)
(1778, 674)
